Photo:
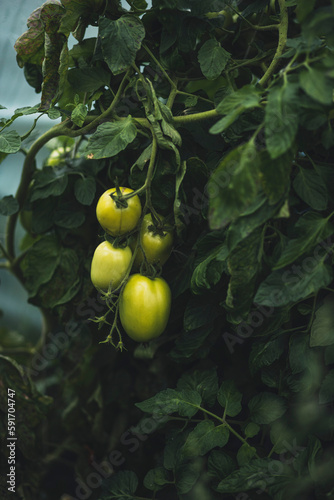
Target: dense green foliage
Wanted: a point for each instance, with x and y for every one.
(219, 113)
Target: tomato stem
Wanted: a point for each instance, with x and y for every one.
(282, 38)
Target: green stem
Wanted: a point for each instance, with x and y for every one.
(159, 65)
(171, 97)
(109, 111)
(282, 38)
(204, 115)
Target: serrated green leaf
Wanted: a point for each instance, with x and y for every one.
(322, 330)
(212, 59)
(275, 175)
(50, 181)
(10, 142)
(65, 282)
(233, 186)
(243, 265)
(156, 479)
(317, 85)
(68, 218)
(205, 382)
(252, 430)
(311, 188)
(84, 190)
(111, 138)
(245, 454)
(190, 344)
(9, 205)
(220, 464)
(233, 105)
(230, 398)
(79, 114)
(266, 407)
(250, 476)
(313, 229)
(120, 41)
(45, 250)
(88, 79)
(169, 401)
(326, 393)
(265, 353)
(196, 316)
(186, 476)
(120, 486)
(203, 438)
(285, 287)
(281, 119)
(208, 272)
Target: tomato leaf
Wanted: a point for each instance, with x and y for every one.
(233, 186)
(230, 398)
(122, 486)
(313, 229)
(111, 138)
(213, 59)
(326, 393)
(322, 330)
(266, 407)
(156, 478)
(203, 438)
(10, 142)
(9, 205)
(205, 382)
(50, 181)
(311, 188)
(120, 41)
(84, 190)
(285, 287)
(233, 105)
(317, 85)
(185, 402)
(45, 250)
(79, 114)
(281, 119)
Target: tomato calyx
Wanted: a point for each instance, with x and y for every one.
(118, 198)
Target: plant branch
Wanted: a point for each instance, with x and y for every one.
(109, 111)
(282, 38)
(205, 115)
(159, 65)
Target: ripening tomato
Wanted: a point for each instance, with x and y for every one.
(117, 220)
(144, 307)
(157, 246)
(109, 265)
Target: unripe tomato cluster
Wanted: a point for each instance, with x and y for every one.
(144, 302)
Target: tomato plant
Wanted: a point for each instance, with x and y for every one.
(210, 375)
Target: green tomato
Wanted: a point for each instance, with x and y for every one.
(58, 156)
(109, 266)
(157, 247)
(118, 220)
(144, 307)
